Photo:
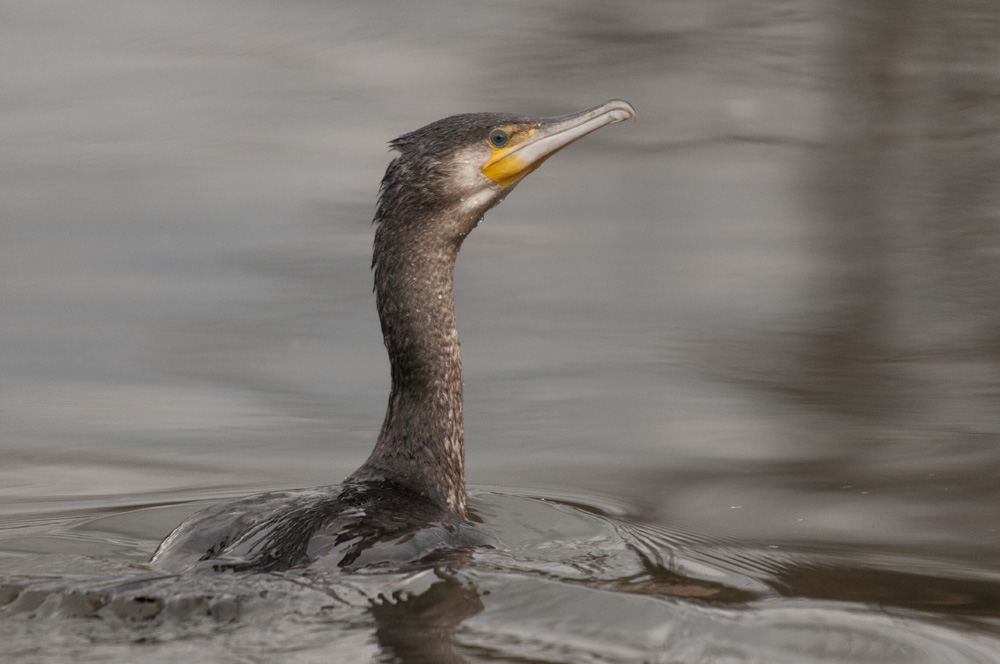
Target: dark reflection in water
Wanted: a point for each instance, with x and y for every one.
(907, 191)
(419, 629)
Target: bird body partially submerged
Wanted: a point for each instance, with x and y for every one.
(350, 525)
(446, 176)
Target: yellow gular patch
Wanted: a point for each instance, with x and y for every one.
(504, 166)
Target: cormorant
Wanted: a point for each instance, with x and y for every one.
(446, 176)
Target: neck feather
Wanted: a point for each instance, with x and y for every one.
(421, 445)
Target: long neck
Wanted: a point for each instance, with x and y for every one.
(421, 445)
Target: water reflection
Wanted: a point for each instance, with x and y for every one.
(906, 193)
(419, 628)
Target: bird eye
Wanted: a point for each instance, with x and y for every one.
(498, 138)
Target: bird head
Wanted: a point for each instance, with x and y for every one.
(452, 171)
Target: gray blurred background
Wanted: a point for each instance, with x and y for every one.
(769, 309)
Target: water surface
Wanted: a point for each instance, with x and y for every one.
(732, 372)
